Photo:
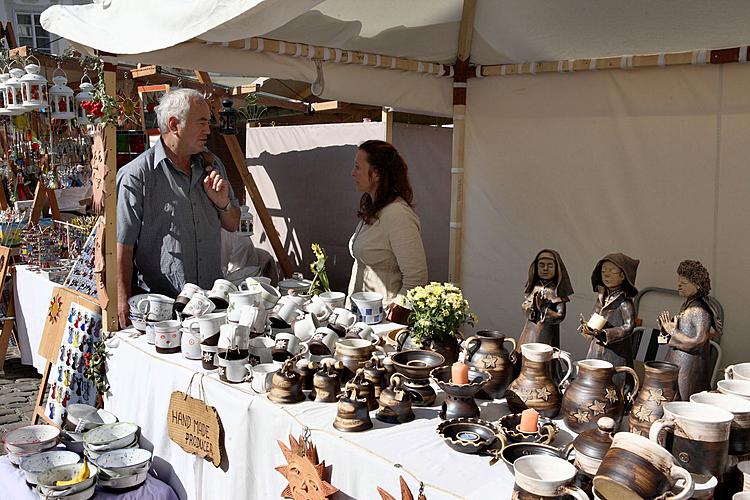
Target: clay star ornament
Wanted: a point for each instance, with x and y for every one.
(597, 407)
(303, 472)
(526, 394)
(543, 393)
(656, 395)
(611, 395)
(642, 413)
(489, 361)
(581, 416)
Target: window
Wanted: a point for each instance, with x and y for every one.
(30, 32)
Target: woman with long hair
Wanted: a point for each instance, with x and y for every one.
(387, 245)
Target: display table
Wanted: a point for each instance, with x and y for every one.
(15, 487)
(31, 292)
(142, 382)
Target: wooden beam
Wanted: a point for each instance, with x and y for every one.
(466, 31)
(387, 118)
(272, 101)
(248, 88)
(10, 36)
(326, 106)
(144, 71)
(260, 207)
(109, 310)
(42, 194)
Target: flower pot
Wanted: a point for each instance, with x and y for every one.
(446, 347)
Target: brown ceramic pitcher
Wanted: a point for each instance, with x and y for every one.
(534, 387)
(486, 351)
(593, 395)
(659, 387)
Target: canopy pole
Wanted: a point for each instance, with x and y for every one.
(460, 76)
(109, 309)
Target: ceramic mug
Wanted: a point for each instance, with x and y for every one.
(292, 299)
(744, 468)
(342, 318)
(333, 299)
(150, 334)
(250, 285)
(546, 477)
(167, 336)
(368, 306)
(319, 308)
(285, 346)
(735, 387)
(156, 307)
(269, 296)
(323, 343)
(704, 487)
(198, 305)
(191, 339)
(305, 328)
(361, 331)
(259, 349)
(261, 376)
(739, 371)
(208, 356)
(285, 315)
(210, 324)
(636, 467)
(739, 433)
(233, 366)
(234, 336)
(187, 292)
(701, 435)
(219, 294)
(238, 300)
(254, 317)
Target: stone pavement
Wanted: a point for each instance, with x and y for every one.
(18, 388)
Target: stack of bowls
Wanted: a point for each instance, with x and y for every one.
(109, 437)
(30, 440)
(123, 469)
(34, 465)
(83, 490)
(136, 318)
(82, 418)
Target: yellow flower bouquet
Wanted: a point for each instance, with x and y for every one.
(438, 311)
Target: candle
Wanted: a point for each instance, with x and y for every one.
(529, 420)
(460, 373)
(597, 321)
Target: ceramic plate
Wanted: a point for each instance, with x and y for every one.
(41, 462)
(124, 458)
(113, 435)
(32, 438)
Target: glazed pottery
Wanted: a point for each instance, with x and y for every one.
(327, 385)
(365, 389)
(232, 366)
(323, 342)
(361, 331)
(735, 387)
(318, 308)
(545, 433)
(40, 462)
(150, 335)
(744, 468)
(659, 387)
(592, 445)
(513, 452)
(415, 366)
(86, 417)
(395, 403)
(353, 353)
(156, 307)
(234, 336)
(123, 482)
(352, 413)
(739, 433)
(238, 300)
(254, 317)
(459, 398)
(124, 461)
(208, 354)
(739, 371)
(700, 435)
(269, 296)
(447, 348)
(187, 292)
(544, 477)
(287, 345)
(259, 349)
(219, 294)
(342, 318)
(167, 336)
(470, 435)
(286, 385)
(198, 305)
(286, 314)
(190, 343)
(47, 480)
(486, 351)
(375, 373)
(111, 436)
(294, 286)
(210, 324)
(333, 299)
(534, 387)
(305, 328)
(261, 376)
(637, 468)
(593, 394)
(31, 439)
(368, 306)
(704, 487)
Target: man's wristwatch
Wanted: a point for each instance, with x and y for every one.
(226, 207)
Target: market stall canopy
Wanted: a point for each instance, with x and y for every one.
(215, 35)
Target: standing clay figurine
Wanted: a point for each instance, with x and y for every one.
(610, 328)
(547, 290)
(688, 333)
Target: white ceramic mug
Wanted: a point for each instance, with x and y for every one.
(238, 300)
(704, 487)
(187, 292)
(735, 387)
(250, 285)
(333, 299)
(546, 476)
(323, 343)
(269, 296)
(254, 317)
(362, 331)
(167, 336)
(210, 324)
(286, 314)
(305, 328)
(208, 356)
(260, 350)
(219, 294)
(261, 376)
(739, 371)
(150, 335)
(198, 305)
(233, 366)
(319, 308)
(285, 346)
(191, 339)
(368, 306)
(744, 468)
(156, 307)
(739, 432)
(342, 318)
(234, 336)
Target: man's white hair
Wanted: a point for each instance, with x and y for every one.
(175, 103)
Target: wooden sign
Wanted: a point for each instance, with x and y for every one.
(195, 426)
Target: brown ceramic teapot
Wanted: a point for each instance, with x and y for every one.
(659, 387)
(486, 351)
(534, 387)
(592, 445)
(286, 385)
(593, 394)
(352, 414)
(395, 403)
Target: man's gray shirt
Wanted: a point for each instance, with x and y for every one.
(168, 218)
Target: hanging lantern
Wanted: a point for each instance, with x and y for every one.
(4, 111)
(228, 125)
(83, 96)
(61, 98)
(14, 91)
(34, 88)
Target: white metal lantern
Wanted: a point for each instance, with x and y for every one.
(61, 99)
(34, 88)
(82, 96)
(4, 111)
(14, 91)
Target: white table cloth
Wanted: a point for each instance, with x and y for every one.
(142, 381)
(32, 293)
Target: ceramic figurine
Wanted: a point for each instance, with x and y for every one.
(689, 332)
(610, 328)
(547, 290)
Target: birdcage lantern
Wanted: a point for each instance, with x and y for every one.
(14, 91)
(228, 116)
(34, 87)
(61, 100)
(4, 111)
(84, 95)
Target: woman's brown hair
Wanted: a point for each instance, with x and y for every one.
(393, 179)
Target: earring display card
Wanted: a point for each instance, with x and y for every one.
(67, 382)
(81, 278)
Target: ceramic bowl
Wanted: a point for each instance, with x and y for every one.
(31, 439)
(91, 417)
(514, 451)
(81, 495)
(110, 436)
(35, 464)
(546, 433)
(73, 441)
(468, 435)
(122, 482)
(133, 302)
(123, 462)
(416, 364)
(739, 388)
(138, 323)
(94, 454)
(48, 478)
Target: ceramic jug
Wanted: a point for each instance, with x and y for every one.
(486, 351)
(534, 387)
(352, 414)
(659, 387)
(593, 394)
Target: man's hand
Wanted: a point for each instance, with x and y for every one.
(217, 189)
(123, 311)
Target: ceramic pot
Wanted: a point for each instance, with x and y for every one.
(395, 403)
(333, 299)
(352, 414)
(593, 394)
(286, 385)
(353, 353)
(415, 366)
(534, 387)
(659, 387)
(448, 349)
(375, 374)
(592, 445)
(459, 398)
(700, 436)
(735, 387)
(486, 351)
(542, 477)
(739, 432)
(368, 306)
(188, 290)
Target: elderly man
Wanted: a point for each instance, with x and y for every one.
(172, 202)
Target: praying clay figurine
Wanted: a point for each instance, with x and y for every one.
(613, 280)
(547, 290)
(688, 333)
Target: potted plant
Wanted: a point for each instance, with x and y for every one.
(438, 312)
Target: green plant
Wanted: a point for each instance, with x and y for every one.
(96, 366)
(438, 311)
(320, 277)
(253, 111)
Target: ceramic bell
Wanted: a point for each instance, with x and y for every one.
(366, 389)
(395, 403)
(375, 373)
(326, 384)
(286, 385)
(307, 370)
(352, 414)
